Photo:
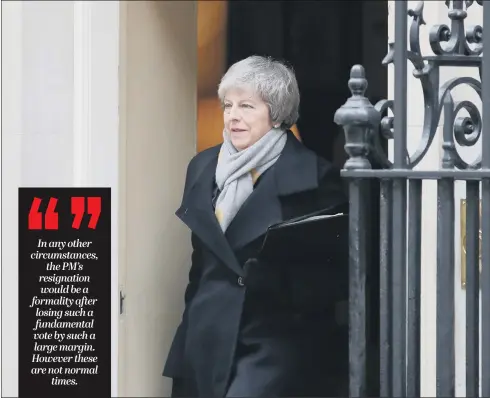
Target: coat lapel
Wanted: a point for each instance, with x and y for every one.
(197, 213)
(295, 171)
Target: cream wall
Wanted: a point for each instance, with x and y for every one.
(158, 70)
(435, 12)
(59, 127)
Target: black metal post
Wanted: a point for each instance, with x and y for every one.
(414, 286)
(359, 118)
(485, 277)
(445, 372)
(400, 205)
(472, 289)
(386, 293)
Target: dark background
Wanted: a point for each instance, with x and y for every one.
(39, 385)
(322, 40)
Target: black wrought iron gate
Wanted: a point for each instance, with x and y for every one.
(367, 128)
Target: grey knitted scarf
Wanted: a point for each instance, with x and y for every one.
(237, 171)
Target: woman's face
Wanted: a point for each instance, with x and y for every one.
(246, 117)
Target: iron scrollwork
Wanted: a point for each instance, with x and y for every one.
(452, 46)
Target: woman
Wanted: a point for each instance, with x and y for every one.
(253, 328)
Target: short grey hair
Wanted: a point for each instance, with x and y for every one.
(272, 80)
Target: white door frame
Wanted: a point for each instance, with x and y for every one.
(77, 147)
(96, 125)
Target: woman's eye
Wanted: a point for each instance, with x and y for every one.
(247, 106)
(226, 106)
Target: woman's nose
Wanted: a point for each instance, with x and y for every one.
(234, 113)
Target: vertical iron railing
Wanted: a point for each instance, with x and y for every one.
(485, 277)
(367, 130)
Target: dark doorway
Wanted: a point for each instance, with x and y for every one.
(322, 40)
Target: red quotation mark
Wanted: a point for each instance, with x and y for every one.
(35, 219)
(94, 205)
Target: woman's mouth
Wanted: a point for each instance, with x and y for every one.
(235, 130)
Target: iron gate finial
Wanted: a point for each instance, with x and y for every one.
(359, 119)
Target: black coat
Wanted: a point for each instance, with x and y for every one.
(250, 328)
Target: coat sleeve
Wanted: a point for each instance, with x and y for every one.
(174, 364)
(194, 273)
(315, 286)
